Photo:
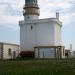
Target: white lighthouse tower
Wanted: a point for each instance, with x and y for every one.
(40, 35)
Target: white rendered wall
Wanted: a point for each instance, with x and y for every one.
(31, 17)
(57, 35)
(45, 32)
(27, 37)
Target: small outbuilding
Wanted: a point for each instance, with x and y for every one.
(8, 51)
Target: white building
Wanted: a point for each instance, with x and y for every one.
(36, 33)
(8, 51)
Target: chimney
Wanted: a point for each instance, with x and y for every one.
(57, 15)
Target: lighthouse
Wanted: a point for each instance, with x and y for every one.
(43, 36)
(31, 10)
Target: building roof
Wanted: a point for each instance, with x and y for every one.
(9, 44)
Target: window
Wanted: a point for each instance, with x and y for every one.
(9, 51)
(31, 27)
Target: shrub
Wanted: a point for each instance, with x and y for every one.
(27, 54)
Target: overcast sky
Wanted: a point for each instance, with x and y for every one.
(11, 13)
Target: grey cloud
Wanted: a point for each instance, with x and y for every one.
(9, 10)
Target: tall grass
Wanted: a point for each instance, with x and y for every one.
(38, 67)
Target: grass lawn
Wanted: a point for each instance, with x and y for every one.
(38, 67)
